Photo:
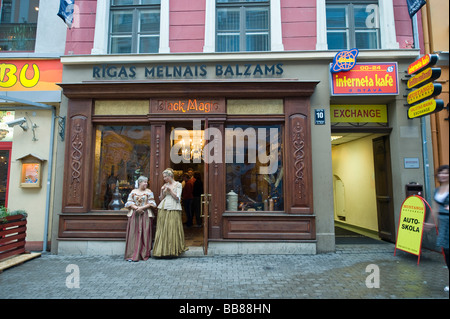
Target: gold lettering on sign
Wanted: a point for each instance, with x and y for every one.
(186, 106)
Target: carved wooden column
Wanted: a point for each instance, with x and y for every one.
(157, 157)
(299, 191)
(77, 168)
(217, 182)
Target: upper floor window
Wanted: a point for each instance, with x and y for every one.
(18, 22)
(242, 25)
(353, 24)
(134, 26)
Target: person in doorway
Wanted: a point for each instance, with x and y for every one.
(169, 238)
(140, 221)
(196, 202)
(187, 196)
(440, 211)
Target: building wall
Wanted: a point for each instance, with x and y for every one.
(51, 30)
(436, 29)
(80, 38)
(50, 45)
(298, 19)
(403, 25)
(353, 165)
(32, 200)
(187, 26)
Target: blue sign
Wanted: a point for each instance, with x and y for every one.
(66, 11)
(344, 60)
(319, 117)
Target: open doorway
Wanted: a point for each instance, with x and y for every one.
(361, 186)
(189, 169)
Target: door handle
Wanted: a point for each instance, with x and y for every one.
(204, 199)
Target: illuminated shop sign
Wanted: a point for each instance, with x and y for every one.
(358, 113)
(126, 72)
(366, 79)
(30, 75)
(187, 106)
(426, 91)
(425, 108)
(423, 62)
(424, 87)
(423, 77)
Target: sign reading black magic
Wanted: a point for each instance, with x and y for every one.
(124, 72)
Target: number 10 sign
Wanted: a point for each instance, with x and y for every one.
(320, 117)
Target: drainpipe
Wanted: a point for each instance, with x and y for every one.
(423, 127)
(50, 157)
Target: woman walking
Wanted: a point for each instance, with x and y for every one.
(140, 222)
(440, 211)
(169, 238)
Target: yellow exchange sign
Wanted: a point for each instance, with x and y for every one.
(425, 108)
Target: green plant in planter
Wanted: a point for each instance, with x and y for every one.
(5, 212)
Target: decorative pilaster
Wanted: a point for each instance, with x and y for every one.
(78, 150)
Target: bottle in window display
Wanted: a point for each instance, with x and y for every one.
(116, 203)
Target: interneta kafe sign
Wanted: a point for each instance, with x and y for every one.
(366, 79)
(410, 226)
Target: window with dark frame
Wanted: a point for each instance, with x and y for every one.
(122, 154)
(254, 166)
(18, 25)
(242, 25)
(134, 26)
(353, 24)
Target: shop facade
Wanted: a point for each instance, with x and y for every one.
(247, 123)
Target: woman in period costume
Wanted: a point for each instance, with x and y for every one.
(169, 238)
(140, 222)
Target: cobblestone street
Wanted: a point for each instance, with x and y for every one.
(348, 273)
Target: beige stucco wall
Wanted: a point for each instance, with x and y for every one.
(353, 165)
(32, 200)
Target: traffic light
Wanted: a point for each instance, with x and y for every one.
(420, 100)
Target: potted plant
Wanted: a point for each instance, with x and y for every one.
(13, 226)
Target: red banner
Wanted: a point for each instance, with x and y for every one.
(366, 79)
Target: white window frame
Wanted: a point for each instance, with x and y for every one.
(101, 35)
(276, 38)
(387, 25)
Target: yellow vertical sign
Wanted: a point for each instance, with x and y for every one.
(410, 226)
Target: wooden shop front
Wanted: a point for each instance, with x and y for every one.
(249, 140)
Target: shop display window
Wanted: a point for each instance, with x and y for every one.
(122, 154)
(254, 168)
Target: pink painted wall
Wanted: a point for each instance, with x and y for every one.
(187, 25)
(80, 38)
(298, 24)
(403, 26)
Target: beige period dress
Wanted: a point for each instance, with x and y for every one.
(138, 243)
(169, 238)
